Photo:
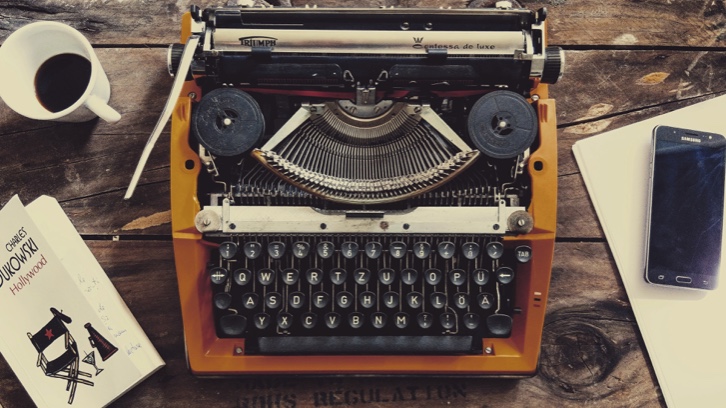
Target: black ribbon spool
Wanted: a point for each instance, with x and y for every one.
(502, 124)
(228, 122)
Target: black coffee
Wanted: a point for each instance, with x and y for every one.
(62, 80)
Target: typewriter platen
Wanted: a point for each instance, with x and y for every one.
(364, 190)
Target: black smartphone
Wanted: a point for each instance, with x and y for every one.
(685, 208)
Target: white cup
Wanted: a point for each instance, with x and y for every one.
(23, 54)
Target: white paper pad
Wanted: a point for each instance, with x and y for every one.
(683, 329)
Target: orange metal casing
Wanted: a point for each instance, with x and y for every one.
(209, 355)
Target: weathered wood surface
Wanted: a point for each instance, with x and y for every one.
(576, 23)
(626, 61)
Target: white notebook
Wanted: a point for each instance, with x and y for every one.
(683, 330)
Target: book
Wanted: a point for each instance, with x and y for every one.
(681, 328)
(67, 334)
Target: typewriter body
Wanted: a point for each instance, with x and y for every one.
(364, 191)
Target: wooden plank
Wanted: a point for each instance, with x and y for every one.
(675, 23)
(590, 354)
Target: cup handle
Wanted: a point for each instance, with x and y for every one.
(101, 108)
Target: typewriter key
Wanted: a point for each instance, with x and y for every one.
(425, 320)
(300, 249)
(233, 325)
(332, 320)
(262, 320)
(227, 122)
(228, 249)
(218, 275)
(495, 249)
(448, 320)
(284, 320)
(505, 275)
(386, 276)
(502, 124)
(349, 249)
(391, 299)
(401, 320)
(422, 250)
(242, 276)
(222, 300)
(471, 321)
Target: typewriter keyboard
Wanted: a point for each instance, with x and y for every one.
(365, 294)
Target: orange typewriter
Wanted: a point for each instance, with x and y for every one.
(364, 191)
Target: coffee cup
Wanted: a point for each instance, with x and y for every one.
(49, 71)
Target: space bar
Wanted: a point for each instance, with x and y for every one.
(361, 345)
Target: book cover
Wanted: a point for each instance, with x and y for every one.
(66, 332)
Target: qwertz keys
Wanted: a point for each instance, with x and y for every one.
(438, 300)
(300, 249)
(222, 300)
(409, 276)
(296, 300)
(218, 275)
(495, 249)
(362, 276)
(290, 276)
(252, 250)
(314, 276)
(505, 275)
(349, 249)
(332, 320)
(433, 276)
(242, 276)
(470, 250)
(386, 276)
(397, 249)
(422, 250)
(391, 299)
(374, 249)
(457, 277)
(523, 253)
(284, 320)
(266, 276)
(321, 299)
(228, 249)
(375, 287)
(446, 249)
(326, 249)
(344, 299)
(338, 276)
(276, 249)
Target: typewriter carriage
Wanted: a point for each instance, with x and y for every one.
(209, 354)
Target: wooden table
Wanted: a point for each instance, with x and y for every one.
(626, 61)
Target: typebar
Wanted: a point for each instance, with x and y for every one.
(364, 345)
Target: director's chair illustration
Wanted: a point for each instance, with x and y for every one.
(66, 365)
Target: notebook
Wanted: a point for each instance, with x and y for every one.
(682, 329)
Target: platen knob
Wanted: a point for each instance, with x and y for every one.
(554, 65)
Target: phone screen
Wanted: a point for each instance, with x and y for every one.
(687, 208)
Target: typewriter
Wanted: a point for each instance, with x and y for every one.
(364, 191)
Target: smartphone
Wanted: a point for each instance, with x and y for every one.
(685, 208)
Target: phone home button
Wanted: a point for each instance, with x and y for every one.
(683, 279)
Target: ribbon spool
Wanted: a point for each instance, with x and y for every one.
(502, 124)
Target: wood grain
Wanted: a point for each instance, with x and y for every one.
(574, 23)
